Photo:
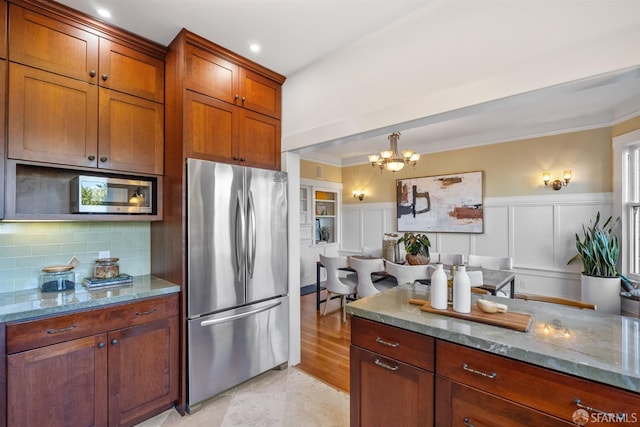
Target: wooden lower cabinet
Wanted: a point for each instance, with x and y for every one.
(465, 406)
(392, 384)
(387, 392)
(115, 378)
(391, 376)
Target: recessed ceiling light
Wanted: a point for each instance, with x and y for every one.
(104, 13)
(254, 47)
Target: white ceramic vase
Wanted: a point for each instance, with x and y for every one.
(462, 291)
(604, 292)
(439, 289)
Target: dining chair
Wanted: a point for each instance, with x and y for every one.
(490, 262)
(407, 273)
(372, 252)
(364, 268)
(557, 300)
(336, 285)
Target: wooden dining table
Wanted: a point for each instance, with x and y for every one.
(493, 280)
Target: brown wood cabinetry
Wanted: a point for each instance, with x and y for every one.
(111, 366)
(538, 389)
(3, 29)
(55, 110)
(231, 106)
(392, 381)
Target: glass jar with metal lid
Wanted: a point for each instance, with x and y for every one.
(106, 268)
(57, 278)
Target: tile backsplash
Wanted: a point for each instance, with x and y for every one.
(27, 247)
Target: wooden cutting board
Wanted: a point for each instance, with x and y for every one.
(516, 321)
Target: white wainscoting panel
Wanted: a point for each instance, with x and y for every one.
(538, 232)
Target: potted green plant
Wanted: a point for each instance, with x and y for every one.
(417, 248)
(599, 250)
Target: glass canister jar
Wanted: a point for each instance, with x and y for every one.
(57, 278)
(106, 268)
(390, 250)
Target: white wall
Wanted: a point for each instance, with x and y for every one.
(452, 54)
(537, 232)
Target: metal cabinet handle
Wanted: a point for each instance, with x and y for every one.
(114, 341)
(144, 313)
(385, 365)
(237, 96)
(236, 158)
(243, 99)
(55, 331)
(467, 423)
(103, 159)
(101, 345)
(91, 157)
(474, 371)
(105, 77)
(242, 159)
(387, 343)
(92, 73)
(579, 404)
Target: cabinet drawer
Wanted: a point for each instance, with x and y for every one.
(31, 334)
(467, 406)
(539, 388)
(402, 345)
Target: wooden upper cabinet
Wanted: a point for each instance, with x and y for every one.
(52, 118)
(259, 137)
(3, 29)
(211, 75)
(48, 44)
(210, 129)
(131, 135)
(260, 94)
(129, 71)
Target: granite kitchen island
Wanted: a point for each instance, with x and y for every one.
(571, 363)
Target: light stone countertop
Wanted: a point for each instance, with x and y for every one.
(599, 347)
(30, 303)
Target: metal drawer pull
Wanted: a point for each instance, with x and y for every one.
(467, 423)
(579, 404)
(144, 313)
(474, 371)
(386, 366)
(55, 331)
(390, 344)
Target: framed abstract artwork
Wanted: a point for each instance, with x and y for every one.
(441, 203)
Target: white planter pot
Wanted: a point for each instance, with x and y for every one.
(604, 292)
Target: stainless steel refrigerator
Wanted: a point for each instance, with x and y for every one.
(237, 286)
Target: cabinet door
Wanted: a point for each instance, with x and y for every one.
(260, 94)
(143, 370)
(130, 71)
(131, 133)
(59, 385)
(259, 140)
(52, 45)
(461, 405)
(53, 118)
(211, 75)
(386, 392)
(211, 129)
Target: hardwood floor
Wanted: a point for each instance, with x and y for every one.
(325, 342)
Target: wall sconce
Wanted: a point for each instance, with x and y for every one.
(358, 194)
(557, 184)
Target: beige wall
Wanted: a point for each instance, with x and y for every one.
(320, 171)
(510, 169)
(626, 127)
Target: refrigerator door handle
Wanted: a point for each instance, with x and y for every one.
(252, 231)
(240, 236)
(239, 316)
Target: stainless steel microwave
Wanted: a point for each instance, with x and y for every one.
(91, 194)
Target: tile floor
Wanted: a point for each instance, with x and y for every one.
(276, 399)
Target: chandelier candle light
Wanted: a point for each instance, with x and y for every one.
(390, 159)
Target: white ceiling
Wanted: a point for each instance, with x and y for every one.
(294, 34)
